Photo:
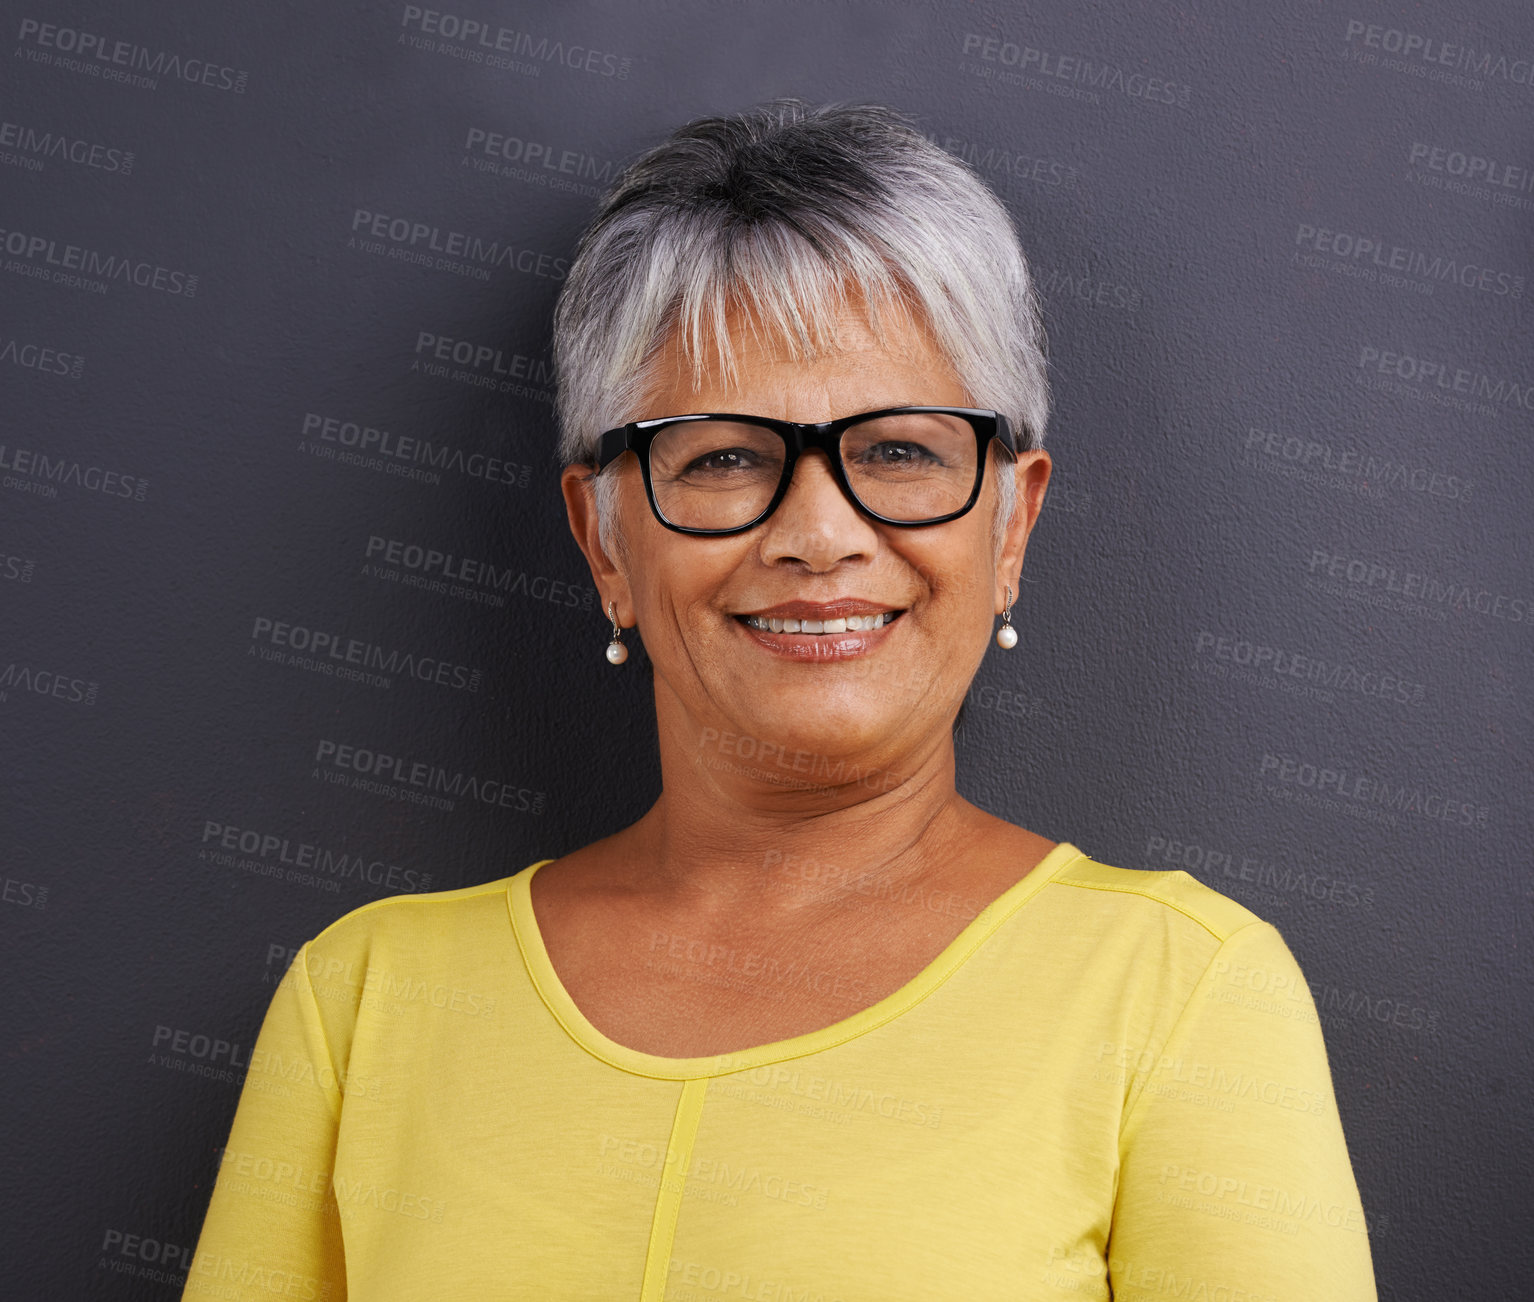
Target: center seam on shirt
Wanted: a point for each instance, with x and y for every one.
(673, 1183)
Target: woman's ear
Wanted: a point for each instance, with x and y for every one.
(1031, 471)
(610, 573)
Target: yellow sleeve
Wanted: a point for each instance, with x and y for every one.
(1234, 1178)
(272, 1228)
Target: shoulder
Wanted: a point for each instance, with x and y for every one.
(1159, 934)
(1153, 944)
(413, 920)
(1173, 898)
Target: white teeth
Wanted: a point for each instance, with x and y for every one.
(851, 624)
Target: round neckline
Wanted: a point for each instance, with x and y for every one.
(556, 998)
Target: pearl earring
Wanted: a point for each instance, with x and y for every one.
(617, 653)
(1006, 635)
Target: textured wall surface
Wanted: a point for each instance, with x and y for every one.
(279, 509)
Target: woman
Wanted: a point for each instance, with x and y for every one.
(815, 1027)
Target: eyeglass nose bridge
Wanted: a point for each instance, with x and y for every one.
(800, 437)
(825, 436)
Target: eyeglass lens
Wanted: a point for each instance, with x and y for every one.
(717, 474)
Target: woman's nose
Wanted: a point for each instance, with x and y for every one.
(816, 521)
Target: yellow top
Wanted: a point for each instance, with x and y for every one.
(1109, 1078)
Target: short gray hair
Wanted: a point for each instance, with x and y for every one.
(781, 210)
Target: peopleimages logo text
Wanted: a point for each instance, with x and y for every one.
(1443, 54)
(311, 854)
(323, 645)
(1438, 374)
(103, 50)
(505, 146)
(44, 252)
(413, 450)
(1364, 574)
(37, 357)
(367, 766)
(1076, 69)
(62, 470)
(1471, 167)
(1369, 789)
(1412, 262)
(60, 145)
(427, 238)
(507, 40)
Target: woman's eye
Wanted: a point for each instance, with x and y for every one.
(898, 454)
(724, 459)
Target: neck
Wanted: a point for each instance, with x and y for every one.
(790, 829)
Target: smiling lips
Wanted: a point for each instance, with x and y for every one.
(845, 615)
(843, 624)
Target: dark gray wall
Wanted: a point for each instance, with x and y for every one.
(1276, 621)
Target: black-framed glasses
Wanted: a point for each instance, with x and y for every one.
(721, 473)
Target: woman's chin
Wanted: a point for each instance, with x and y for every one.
(828, 739)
